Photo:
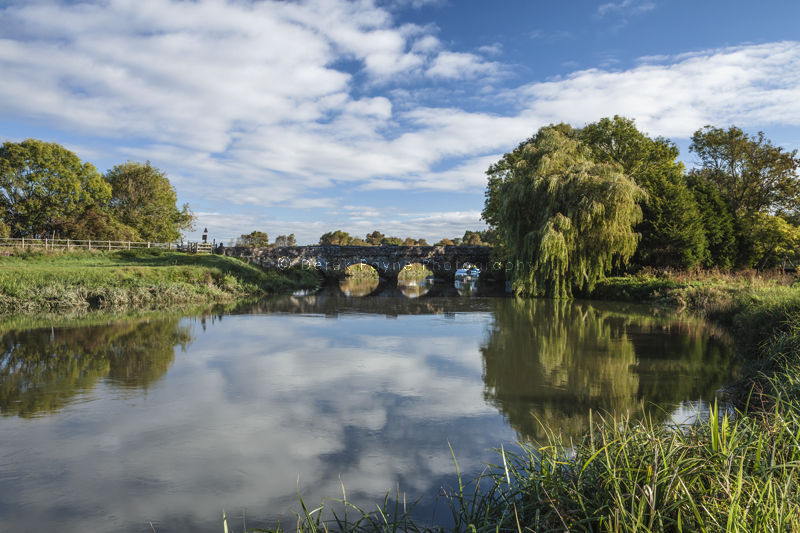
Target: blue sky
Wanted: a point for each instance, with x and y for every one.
(305, 117)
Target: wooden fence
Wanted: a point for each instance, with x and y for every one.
(74, 244)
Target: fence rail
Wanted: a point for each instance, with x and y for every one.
(76, 244)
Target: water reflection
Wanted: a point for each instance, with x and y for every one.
(355, 287)
(327, 388)
(466, 286)
(549, 362)
(414, 288)
(43, 369)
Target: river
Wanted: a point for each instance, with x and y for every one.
(161, 421)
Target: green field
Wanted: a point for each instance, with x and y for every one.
(141, 279)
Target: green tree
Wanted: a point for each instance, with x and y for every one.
(285, 240)
(338, 237)
(5, 229)
(44, 185)
(672, 233)
(472, 238)
(445, 242)
(254, 239)
(144, 199)
(751, 174)
(565, 219)
(422, 242)
(375, 238)
(770, 240)
(392, 241)
(97, 223)
(717, 221)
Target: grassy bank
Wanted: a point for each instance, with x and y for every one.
(735, 471)
(40, 282)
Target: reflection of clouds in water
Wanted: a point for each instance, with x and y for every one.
(256, 403)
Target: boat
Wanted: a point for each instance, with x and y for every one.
(468, 271)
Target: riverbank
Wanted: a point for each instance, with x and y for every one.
(35, 282)
(736, 471)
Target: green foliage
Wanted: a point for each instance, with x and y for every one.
(285, 240)
(564, 218)
(44, 186)
(361, 271)
(717, 222)
(472, 238)
(338, 237)
(144, 199)
(672, 231)
(375, 238)
(445, 242)
(96, 223)
(414, 272)
(254, 239)
(769, 240)
(392, 241)
(752, 175)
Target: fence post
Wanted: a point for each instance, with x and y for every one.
(45, 244)
(129, 245)
(148, 244)
(68, 248)
(90, 244)
(109, 245)
(23, 243)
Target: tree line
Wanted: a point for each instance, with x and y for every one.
(46, 190)
(376, 238)
(569, 205)
(260, 239)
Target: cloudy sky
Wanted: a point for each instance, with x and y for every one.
(317, 115)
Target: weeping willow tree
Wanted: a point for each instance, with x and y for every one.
(564, 218)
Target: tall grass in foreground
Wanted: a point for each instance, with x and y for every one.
(737, 471)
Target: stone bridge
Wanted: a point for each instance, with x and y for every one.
(387, 260)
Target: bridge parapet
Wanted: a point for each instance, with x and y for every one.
(387, 260)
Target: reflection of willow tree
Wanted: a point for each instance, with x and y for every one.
(555, 360)
(41, 370)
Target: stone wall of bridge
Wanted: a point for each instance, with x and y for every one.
(387, 260)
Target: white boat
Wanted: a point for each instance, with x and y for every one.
(468, 271)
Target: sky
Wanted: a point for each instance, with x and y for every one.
(310, 116)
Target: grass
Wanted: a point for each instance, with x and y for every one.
(361, 271)
(55, 281)
(737, 470)
(414, 272)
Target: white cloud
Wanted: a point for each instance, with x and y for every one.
(626, 7)
(458, 65)
(249, 104)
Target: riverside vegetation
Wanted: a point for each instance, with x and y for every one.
(35, 281)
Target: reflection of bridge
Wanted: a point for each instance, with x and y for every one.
(387, 260)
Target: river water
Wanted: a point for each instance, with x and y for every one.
(160, 421)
